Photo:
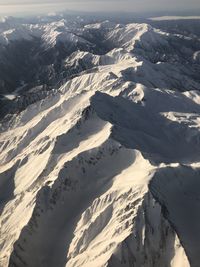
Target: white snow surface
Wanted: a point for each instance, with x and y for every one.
(51, 33)
(105, 172)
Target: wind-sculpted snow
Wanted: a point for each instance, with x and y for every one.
(104, 169)
(138, 126)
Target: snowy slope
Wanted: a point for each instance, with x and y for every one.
(104, 170)
(51, 33)
(45, 52)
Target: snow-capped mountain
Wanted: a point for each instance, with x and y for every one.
(99, 167)
(34, 53)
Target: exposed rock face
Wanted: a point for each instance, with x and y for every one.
(103, 170)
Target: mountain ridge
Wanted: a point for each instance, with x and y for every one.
(98, 168)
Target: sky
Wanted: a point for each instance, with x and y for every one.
(14, 7)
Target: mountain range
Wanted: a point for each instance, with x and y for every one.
(99, 143)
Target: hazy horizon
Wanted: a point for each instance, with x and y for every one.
(28, 7)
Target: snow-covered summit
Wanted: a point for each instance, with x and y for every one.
(50, 33)
(103, 170)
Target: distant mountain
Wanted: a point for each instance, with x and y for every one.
(38, 53)
(99, 144)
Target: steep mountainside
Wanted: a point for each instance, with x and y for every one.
(40, 52)
(103, 169)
